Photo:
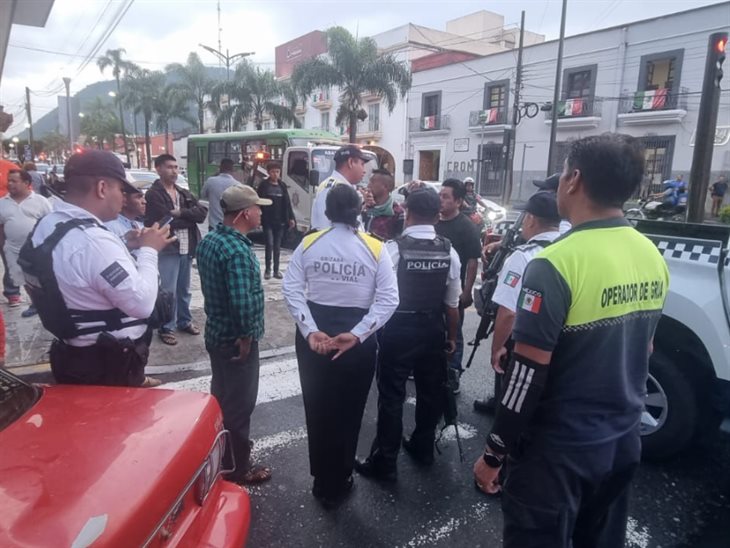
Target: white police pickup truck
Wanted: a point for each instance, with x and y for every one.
(689, 371)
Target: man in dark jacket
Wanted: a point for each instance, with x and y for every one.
(165, 198)
(276, 218)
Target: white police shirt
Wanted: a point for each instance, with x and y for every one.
(341, 267)
(319, 220)
(509, 283)
(121, 226)
(95, 271)
(453, 281)
(564, 226)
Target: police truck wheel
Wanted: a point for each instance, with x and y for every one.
(671, 412)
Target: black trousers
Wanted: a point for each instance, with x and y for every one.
(409, 343)
(569, 497)
(235, 384)
(108, 362)
(335, 393)
(273, 235)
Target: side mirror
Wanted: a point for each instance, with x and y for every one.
(314, 177)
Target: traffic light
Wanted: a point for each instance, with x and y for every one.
(716, 55)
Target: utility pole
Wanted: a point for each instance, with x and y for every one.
(227, 58)
(699, 175)
(67, 83)
(525, 146)
(510, 160)
(556, 91)
(30, 121)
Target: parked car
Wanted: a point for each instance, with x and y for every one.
(112, 466)
(143, 179)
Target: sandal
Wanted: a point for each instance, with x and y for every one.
(190, 329)
(256, 474)
(167, 338)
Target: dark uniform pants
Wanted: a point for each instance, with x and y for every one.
(573, 497)
(108, 362)
(409, 343)
(335, 393)
(235, 384)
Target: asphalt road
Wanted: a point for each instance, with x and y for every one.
(681, 503)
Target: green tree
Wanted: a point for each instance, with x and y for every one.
(194, 84)
(354, 67)
(113, 59)
(171, 104)
(253, 94)
(100, 124)
(141, 92)
(54, 144)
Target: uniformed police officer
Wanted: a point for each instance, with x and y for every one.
(340, 288)
(415, 339)
(349, 169)
(569, 415)
(540, 227)
(95, 298)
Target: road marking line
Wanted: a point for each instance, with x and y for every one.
(435, 531)
(637, 536)
(280, 440)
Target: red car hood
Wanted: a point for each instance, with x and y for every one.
(109, 459)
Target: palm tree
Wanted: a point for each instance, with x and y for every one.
(113, 58)
(354, 67)
(142, 90)
(193, 84)
(252, 94)
(171, 104)
(54, 143)
(100, 124)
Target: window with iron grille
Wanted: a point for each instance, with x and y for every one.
(661, 71)
(496, 94)
(579, 82)
(431, 104)
(374, 117)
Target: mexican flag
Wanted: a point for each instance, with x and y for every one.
(650, 100)
(530, 301)
(571, 107)
(489, 116)
(429, 122)
(512, 279)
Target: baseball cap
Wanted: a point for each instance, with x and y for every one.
(423, 202)
(469, 180)
(238, 197)
(550, 184)
(543, 204)
(351, 151)
(97, 163)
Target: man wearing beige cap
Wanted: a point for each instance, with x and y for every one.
(230, 278)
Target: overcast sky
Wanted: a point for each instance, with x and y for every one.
(157, 32)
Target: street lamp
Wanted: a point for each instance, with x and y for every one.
(113, 94)
(67, 83)
(81, 114)
(227, 58)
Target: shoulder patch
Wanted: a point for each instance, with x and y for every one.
(512, 279)
(530, 300)
(114, 274)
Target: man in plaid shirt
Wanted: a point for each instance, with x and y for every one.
(230, 278)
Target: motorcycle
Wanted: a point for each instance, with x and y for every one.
(658, 211)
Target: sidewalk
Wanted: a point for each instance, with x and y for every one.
(27, 343)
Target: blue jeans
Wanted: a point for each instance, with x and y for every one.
(175, 278)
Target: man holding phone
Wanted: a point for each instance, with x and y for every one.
(230, 278)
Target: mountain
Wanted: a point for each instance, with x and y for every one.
(49, 122)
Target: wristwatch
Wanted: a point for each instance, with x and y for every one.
(492, 460)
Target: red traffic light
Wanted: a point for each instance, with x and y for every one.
(720, 45)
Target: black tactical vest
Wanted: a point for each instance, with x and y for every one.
(423, 269)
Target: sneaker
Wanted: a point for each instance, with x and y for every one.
(14, 301)
(29, 312)
(267, 275)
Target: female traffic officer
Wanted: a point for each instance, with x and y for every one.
(340, 288)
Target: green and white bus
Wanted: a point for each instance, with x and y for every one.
(306, 157)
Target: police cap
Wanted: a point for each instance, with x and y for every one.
(423, 202)
(544, 205)
(351, 151)
(550, 184)
(97, 163)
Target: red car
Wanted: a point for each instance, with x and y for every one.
(106, 466)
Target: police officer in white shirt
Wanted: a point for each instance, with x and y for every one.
(350, 163)
(415, 339)
(87, 288)
(340, 288)
(540, 228)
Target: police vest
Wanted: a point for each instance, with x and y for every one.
(42, 287)
(423, 270)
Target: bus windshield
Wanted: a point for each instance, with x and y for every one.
(323, 160)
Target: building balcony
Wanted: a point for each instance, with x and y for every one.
(321, 100)
(489, 121)
(369, 129)
(438, 123)
(659, 106)
(577, 113)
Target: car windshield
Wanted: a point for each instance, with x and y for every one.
(16, 397)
